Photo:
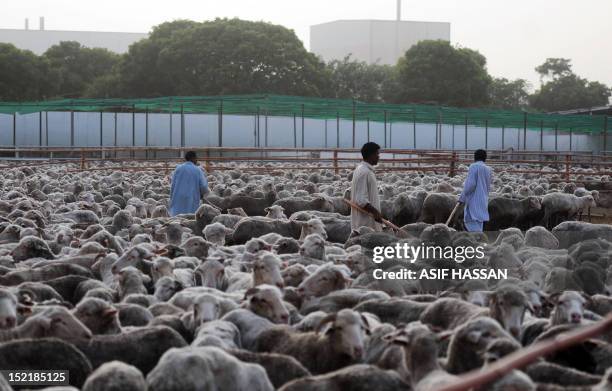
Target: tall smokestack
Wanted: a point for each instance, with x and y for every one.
(399, 10)
(27, 24)
(42, 23)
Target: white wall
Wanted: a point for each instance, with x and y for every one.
(239, 131)
(38, 41)
(382, 41)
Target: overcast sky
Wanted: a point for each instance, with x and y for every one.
(515, 36)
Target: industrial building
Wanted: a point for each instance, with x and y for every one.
(38, 41)
(372, 41)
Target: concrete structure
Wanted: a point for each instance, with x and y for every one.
(373, 41)
(38, 41)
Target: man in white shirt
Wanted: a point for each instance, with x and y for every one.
(364, 190)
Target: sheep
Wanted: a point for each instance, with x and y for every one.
(325, 279)
(206, 367)
(266, 301)
(564, 206)
(141, 348)
(98, 316)
(280, 368)
(420, 347)
(115, 376)
(216, 232)
(313, 226)
(313, 247)
(174, 232)
(275, 212)
(49, 321)
(540, 237)
(359, 377)
(45, 354)
(131, 280)
(341, 344)
(8, 309)
(211, 273)
(166, 287)
(249, 325)
(219, 333)
(286, 246)
(31, 247)
(469, 341)
(507, 212)
(569, 308)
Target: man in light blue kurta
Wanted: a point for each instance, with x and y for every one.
(475, 195)
(189, 183)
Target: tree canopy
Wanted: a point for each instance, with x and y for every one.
(565, 90)
(437, 72)
(233, 56)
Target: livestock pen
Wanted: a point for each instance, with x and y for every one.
(83, 215)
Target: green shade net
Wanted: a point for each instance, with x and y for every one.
(318, 108)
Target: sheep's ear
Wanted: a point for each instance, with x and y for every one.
(444, 335)
(267, 209)
(398, 337)
(554, 298)
(366, 324)
(146, 279)
(327, 319)
(109, 312)
(586, 297)
(474, 336)
(250, 292)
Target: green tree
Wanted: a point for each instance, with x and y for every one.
(509, 94)
(77, 66)
(555, 68)
(24, 75)
(359, 80)
(224, 56)
(566, 90)
(437, 72)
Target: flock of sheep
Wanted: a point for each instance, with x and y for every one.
(263, 289)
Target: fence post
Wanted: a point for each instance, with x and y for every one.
(466, 134)
(47, 128)
(115, 136)
(325, 132)
(541, 137)
(414, 129)
(337, 130)
(182, 129)
(82, 159)
(147, 132)
(336, 161)
(385, 119)
(294, 132)
(15, 134)
(452, 164)
(353, 123)
(556, 136)
(302, 125)
(207, 162)
(486, 134)
(605, 134)
(368, 123)
(40, 129)
(524, 131)
(171, 110)
(133, 129)
(71, 128)
(503, 136)
(568, 159)
(220, 126)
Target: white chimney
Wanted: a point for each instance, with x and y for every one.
(27, 24)
(42, 23)
(399, 10)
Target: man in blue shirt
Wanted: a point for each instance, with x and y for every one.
(189, 184)
(475, 193)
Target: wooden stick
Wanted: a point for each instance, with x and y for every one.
(523, 357)
(452, 213)
(359, 208)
